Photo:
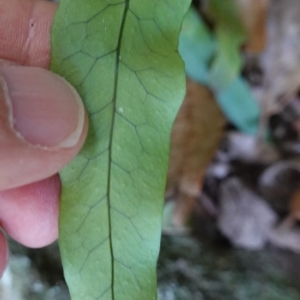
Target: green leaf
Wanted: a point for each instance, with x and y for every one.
(230, 34)
(240, 106)
(122, 58)
(197, 48)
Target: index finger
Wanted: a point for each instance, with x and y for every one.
(25, 27)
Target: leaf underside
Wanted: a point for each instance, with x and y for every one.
(122, 58)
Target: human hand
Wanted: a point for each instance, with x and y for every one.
(42, 126)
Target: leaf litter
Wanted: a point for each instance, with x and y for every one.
(249, 193)
(242, 158)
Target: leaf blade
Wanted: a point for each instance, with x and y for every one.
(109, 238)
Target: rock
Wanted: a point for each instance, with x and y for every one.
(244, 218)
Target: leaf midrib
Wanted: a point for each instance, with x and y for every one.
(114, 100)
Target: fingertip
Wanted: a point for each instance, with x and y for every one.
(25, 28)
(29, 214)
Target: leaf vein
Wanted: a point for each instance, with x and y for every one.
(111, 143)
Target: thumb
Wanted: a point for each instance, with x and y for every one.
(43, 125)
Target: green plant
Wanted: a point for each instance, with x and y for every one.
(121, 56)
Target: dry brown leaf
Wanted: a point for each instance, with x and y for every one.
(196, 134)
(295, 205)
(254, 15)
(287, 235)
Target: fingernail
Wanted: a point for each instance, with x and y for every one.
(45, 110)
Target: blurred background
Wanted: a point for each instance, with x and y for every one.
(231, 223)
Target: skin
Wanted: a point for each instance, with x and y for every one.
(29, 213)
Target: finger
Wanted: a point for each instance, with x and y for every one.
(42, 125)
(29, 214)
(25, 31)
(4, 253)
